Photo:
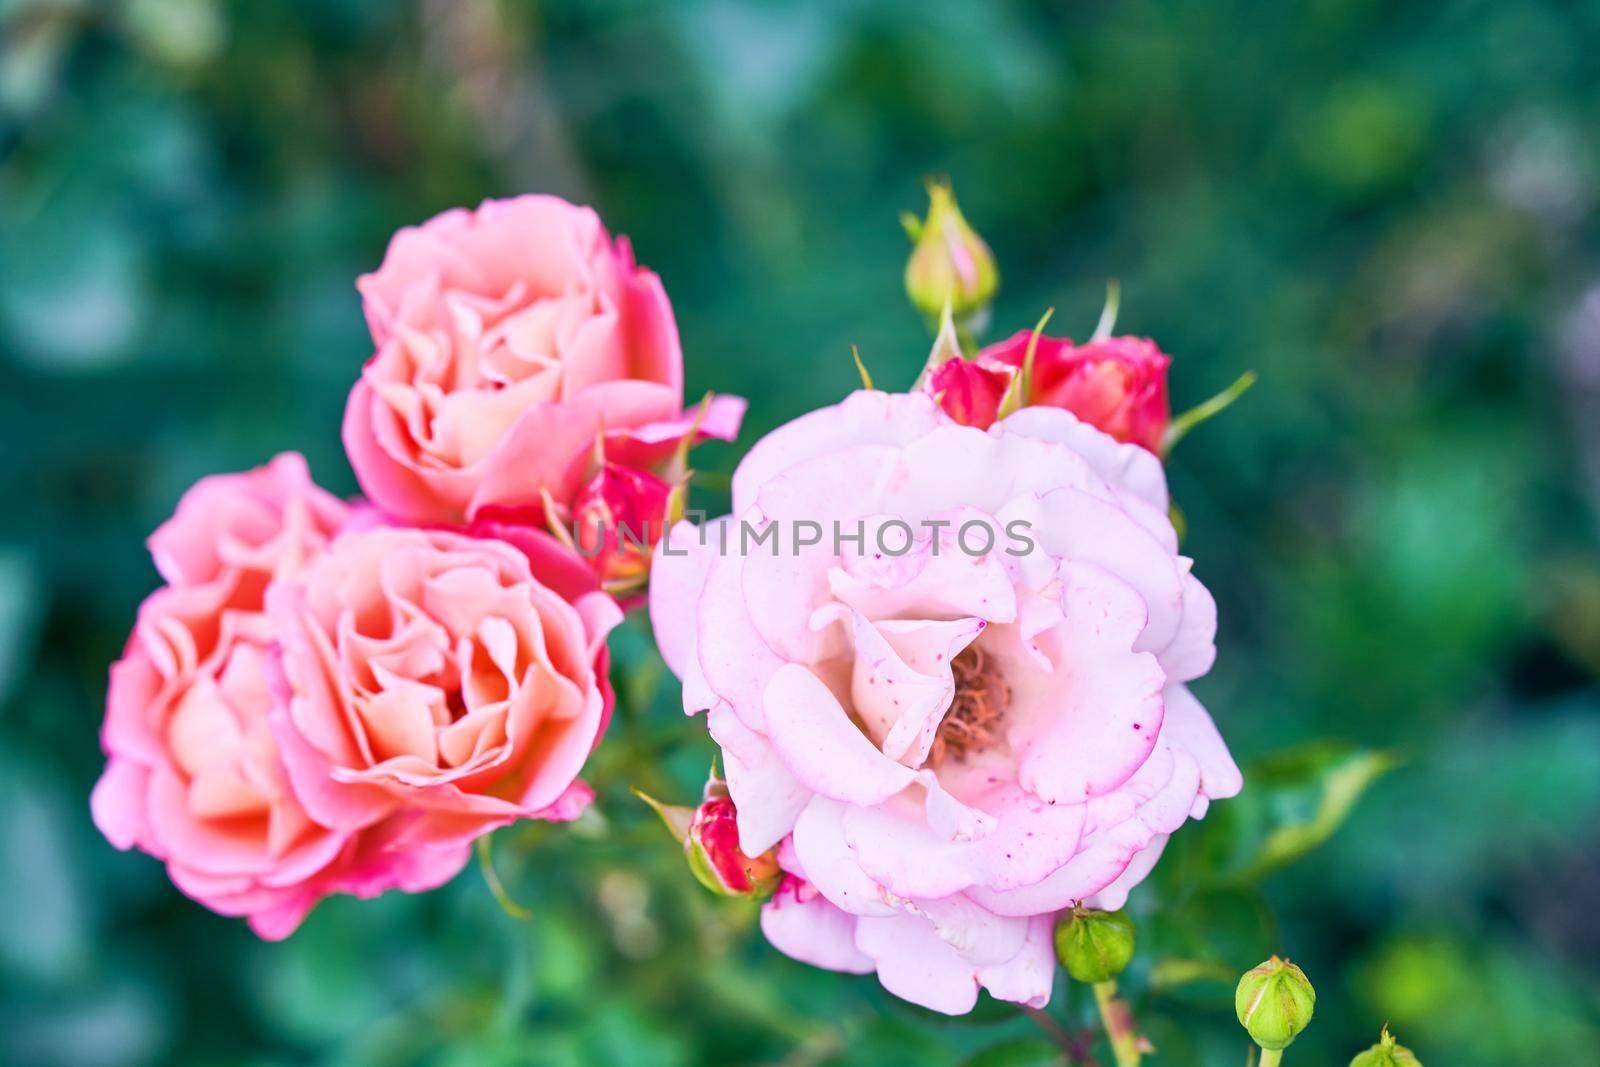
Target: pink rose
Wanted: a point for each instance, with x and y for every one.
(433, 678)
(507, 339)
(1118, 385)
(951, 732)
(193, 774)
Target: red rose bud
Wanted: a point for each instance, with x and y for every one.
(617, 519)
(950, 265)
(710, 838)
(1118, 385)
(715, 857)
(970, 392)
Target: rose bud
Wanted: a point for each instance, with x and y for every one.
(971, 392)
(715, 857)
(1386, 1053)
(617, 519)
(1118, 385)
(950, 264)
(710, 837)
(1274, 1002)
(1094, 946)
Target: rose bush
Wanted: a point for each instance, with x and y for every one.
(507, 339)
(950, 744)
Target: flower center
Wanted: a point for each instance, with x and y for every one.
(975, 715)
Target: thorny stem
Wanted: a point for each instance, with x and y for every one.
(1118, 1022)
(1076, 1049)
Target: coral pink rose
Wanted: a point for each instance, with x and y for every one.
(952, 732)
(193, 774)
(507, 338)
(433, 677)
(1118, 385)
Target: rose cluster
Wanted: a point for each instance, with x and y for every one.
(929, 751)
(331, 697)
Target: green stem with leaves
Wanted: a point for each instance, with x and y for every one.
(1118, 1021)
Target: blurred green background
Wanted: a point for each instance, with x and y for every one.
(1387, 209)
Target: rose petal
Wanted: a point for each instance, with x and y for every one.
(915, 965)
(1087, 740)
(813, 931)
(821, 746)
(769, 799)
(863, 417)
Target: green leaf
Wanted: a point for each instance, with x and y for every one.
(1018, 1052)
(1174, 973)
(1336, 780)
(1292, 802)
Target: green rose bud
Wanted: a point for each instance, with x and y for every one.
(1094, 946)
(950, 263)
(1274, 1003)
(1386, 1053)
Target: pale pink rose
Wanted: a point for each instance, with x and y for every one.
(507, 339)
(193, 775)
(950, 745)
(432, 676)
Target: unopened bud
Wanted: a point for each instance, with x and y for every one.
(1274, 1003)
(950, 263)
(970, 392)
(1094, 946)
(617, 519)
(716, 859)
(710, 837)
(1386, 1053)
